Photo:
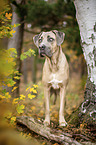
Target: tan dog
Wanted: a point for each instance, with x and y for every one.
(55, 70)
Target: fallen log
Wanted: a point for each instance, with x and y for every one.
(50, 134)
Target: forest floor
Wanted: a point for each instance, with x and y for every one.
(74, 97)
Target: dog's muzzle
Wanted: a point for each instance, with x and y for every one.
(45, 51)
(42, 50)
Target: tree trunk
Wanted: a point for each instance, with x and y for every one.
(86, 17)
(50, 134)
(25, 73)
(17, 39)
(34, 68)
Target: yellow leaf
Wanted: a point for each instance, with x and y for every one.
(15, 101)
(7, 28)
(35, 86)
(14, 88)
(9, 85)
(10, 60)
(33, 108)
(2, 97)
(14, 25)
(8, 16)
(13, 119)
(31, 96)
(55, 144)
(12, 31)
(22, 97)
(43, 143)
(12, 49)
(15, 72)
(31, 89)
(27, 88)
(7, 95)
(34, 91)
(17, 77)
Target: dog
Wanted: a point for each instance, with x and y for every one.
(55, 71)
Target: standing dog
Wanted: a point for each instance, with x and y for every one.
(55, 71)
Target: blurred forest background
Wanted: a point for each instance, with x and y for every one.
(46, 15)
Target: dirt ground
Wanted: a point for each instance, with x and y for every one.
(74, 96)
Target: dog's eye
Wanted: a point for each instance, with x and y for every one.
(51, 39)
(40, 40)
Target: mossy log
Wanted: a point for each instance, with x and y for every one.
(51, 134)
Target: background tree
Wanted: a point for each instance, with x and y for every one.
(59, 15)
(17, 39)
(86, 17)
(62, 18)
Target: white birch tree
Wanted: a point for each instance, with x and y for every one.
(86, 18)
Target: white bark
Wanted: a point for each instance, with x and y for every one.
(86, 17)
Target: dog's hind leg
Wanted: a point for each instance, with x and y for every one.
(62, 121)
(47, 110)
(55, 98)
(53, 92)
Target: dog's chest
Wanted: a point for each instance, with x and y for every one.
(55, 82)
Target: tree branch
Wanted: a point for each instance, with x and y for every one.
(46, 132)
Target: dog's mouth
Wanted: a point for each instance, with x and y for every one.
(46, 52)
(41, 53)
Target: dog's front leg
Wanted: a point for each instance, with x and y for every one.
(47, 110)
(62, 121)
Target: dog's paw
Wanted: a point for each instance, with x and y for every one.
(63, 124)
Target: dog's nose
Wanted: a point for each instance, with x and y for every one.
(42, 47)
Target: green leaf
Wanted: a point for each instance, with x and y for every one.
(11, 82)
(29, 53)
(17, 77)
(13, 119)
(22, 57)
(8, 114)
(20, 108)
(31, 96)
(32, 51)
(4, 91)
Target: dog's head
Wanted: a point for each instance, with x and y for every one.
(47, 42)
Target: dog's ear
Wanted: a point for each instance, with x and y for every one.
(35, 39)
(59, 37)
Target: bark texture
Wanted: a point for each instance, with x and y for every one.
(17, 39)
(50, 134)
(86, 17)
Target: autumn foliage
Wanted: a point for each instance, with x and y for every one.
(8, 74)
